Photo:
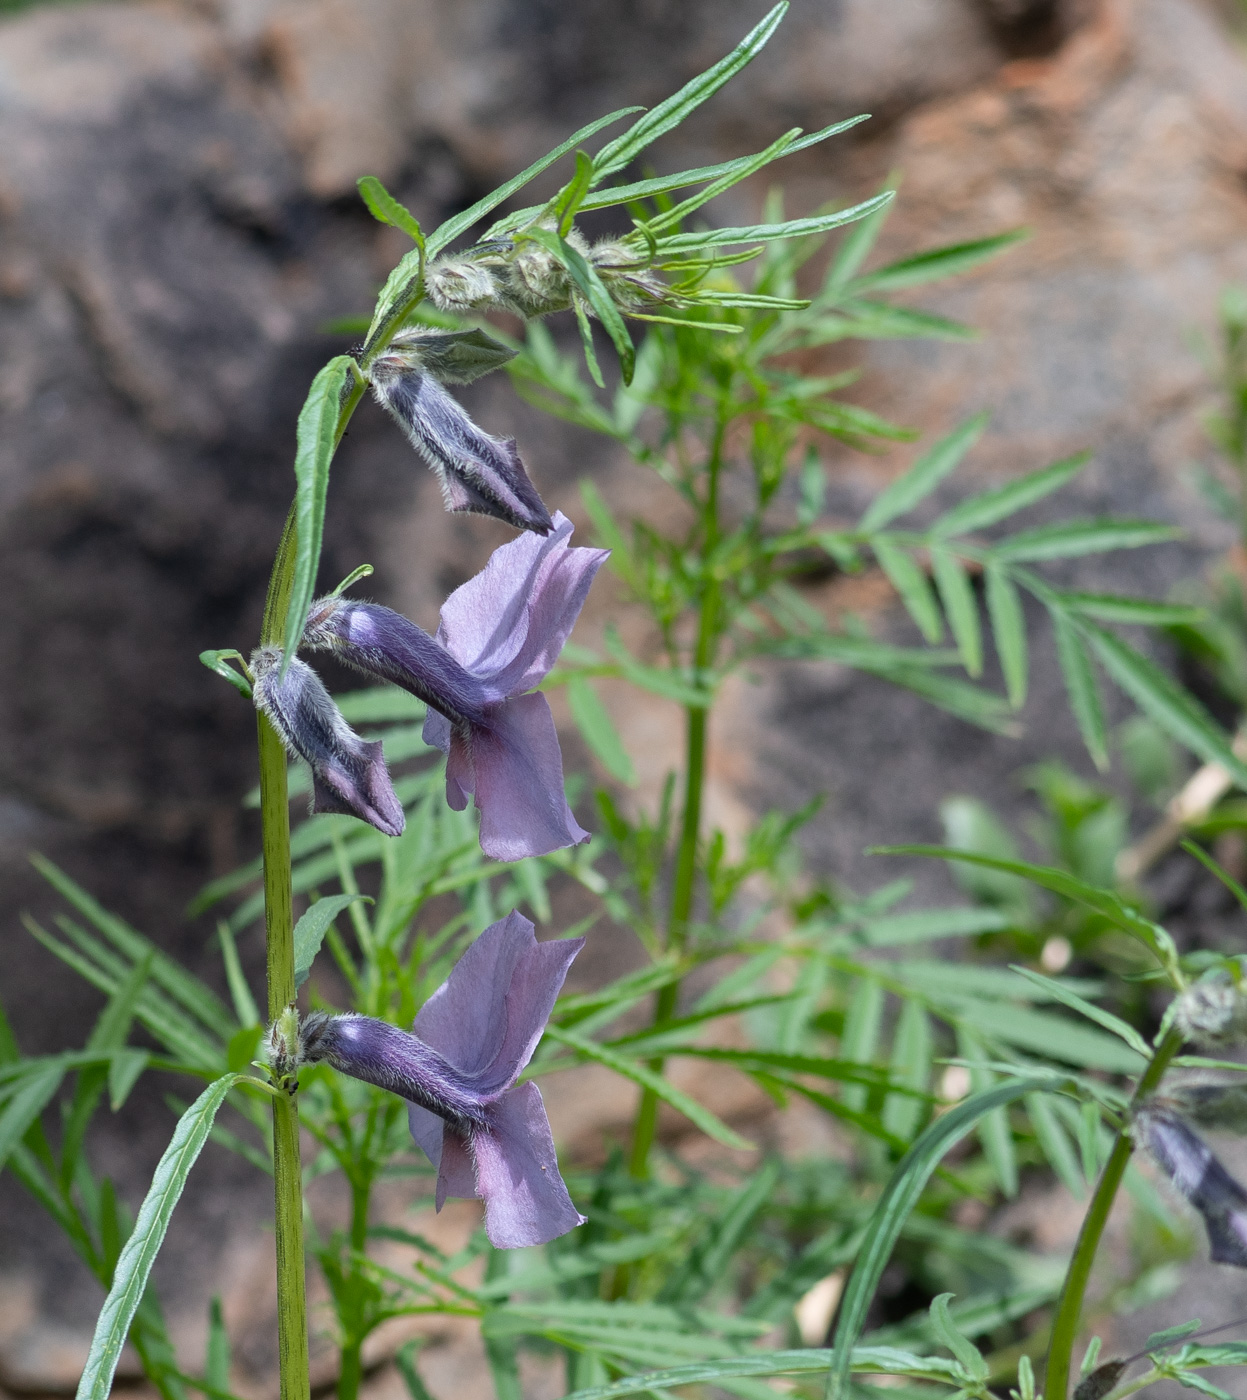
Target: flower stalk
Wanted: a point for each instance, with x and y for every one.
(1073, 1291)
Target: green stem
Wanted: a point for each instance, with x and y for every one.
(352, 1365)
(1069, 1305)
(684, 888)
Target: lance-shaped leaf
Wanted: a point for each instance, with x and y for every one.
(924, 476)
(316, 440)
(135, 1264)
(309, 932)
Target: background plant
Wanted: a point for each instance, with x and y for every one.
(678, 1279)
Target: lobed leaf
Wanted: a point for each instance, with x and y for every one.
(924, 476)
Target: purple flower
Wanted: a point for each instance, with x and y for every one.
(488, 1137)
(478, 473)
(500, 634)
(1189, 1163)
(348, 773)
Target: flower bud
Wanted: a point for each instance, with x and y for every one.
(630, 281)
(460, 285)
(1212, 1014)
(478, 473)
(349, 775)
(453, 357)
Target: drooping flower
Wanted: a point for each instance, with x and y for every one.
(1190, 1164)
(349, 775)
(478, 473)
(500, 634)
(488, 1137)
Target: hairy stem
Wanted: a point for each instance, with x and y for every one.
(1069, 1305)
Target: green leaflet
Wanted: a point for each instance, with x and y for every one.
(938, 262)
(446, 233)
(309, 932)
(1087, 1009)
(598, 730)
(911, 583)
(1081, 687)
(681, 243)
(1004, 608)
(140, 1250)
(1159, 696)
(670, 113)
(899, 1198)
(316, 441)
(924, 476)
(988, 507)
(960, 607)
(1069, 539)
(696, 1113)
(387, 210)
(33, 1095)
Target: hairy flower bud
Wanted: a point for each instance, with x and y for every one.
(1212, 1014)
(453, 357)
(1190, 1164)
(349, 775)
(631, 281)
(460, 285)
(478, 473)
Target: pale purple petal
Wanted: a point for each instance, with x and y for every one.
(517, 1174)
(465, 1020)
(488, 1016)
(508, 624)
(456, 1173)
(426, 1130)
(518, 770)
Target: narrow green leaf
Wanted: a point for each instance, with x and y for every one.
(668, 684)
(316, 440)
(1081, 688)
(1161, 697)
(853, 251)
(1070, 539)
(739, 167)
(309, 932)
(697, 1114)
(139, 1254)
(966, 1353)
(924, 476)
(898, 1200)
(1105, 902)
(218, 661)
(446, 233)
(566, 205)
(860, 1041)
(988, 507)
(680, 243)
(1092, 1012)
(1172, 1334)
(911, 583)
(33, 1095)
(9, 1051)
(240, 993)
(113, 1025)
(705, 1267)
(585, 328)
(405, 1360)
(671, 112)
(868, 1360)
(1004, 608)
(216, 1365)
(598, 730)
(961, 607)
(593, 289)
(911, 1068)
(1056, 1145)
(678, 213)
(889, 930)
(387, 210)
(937, 263)
(994, 1130)
(1142, 611)
(124, 1070)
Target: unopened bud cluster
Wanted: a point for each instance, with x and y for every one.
(1212, 1014)
(527, 279)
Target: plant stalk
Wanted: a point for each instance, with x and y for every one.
(1073, 1291)
(696, 720)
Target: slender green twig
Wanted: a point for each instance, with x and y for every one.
(1069, 1305)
